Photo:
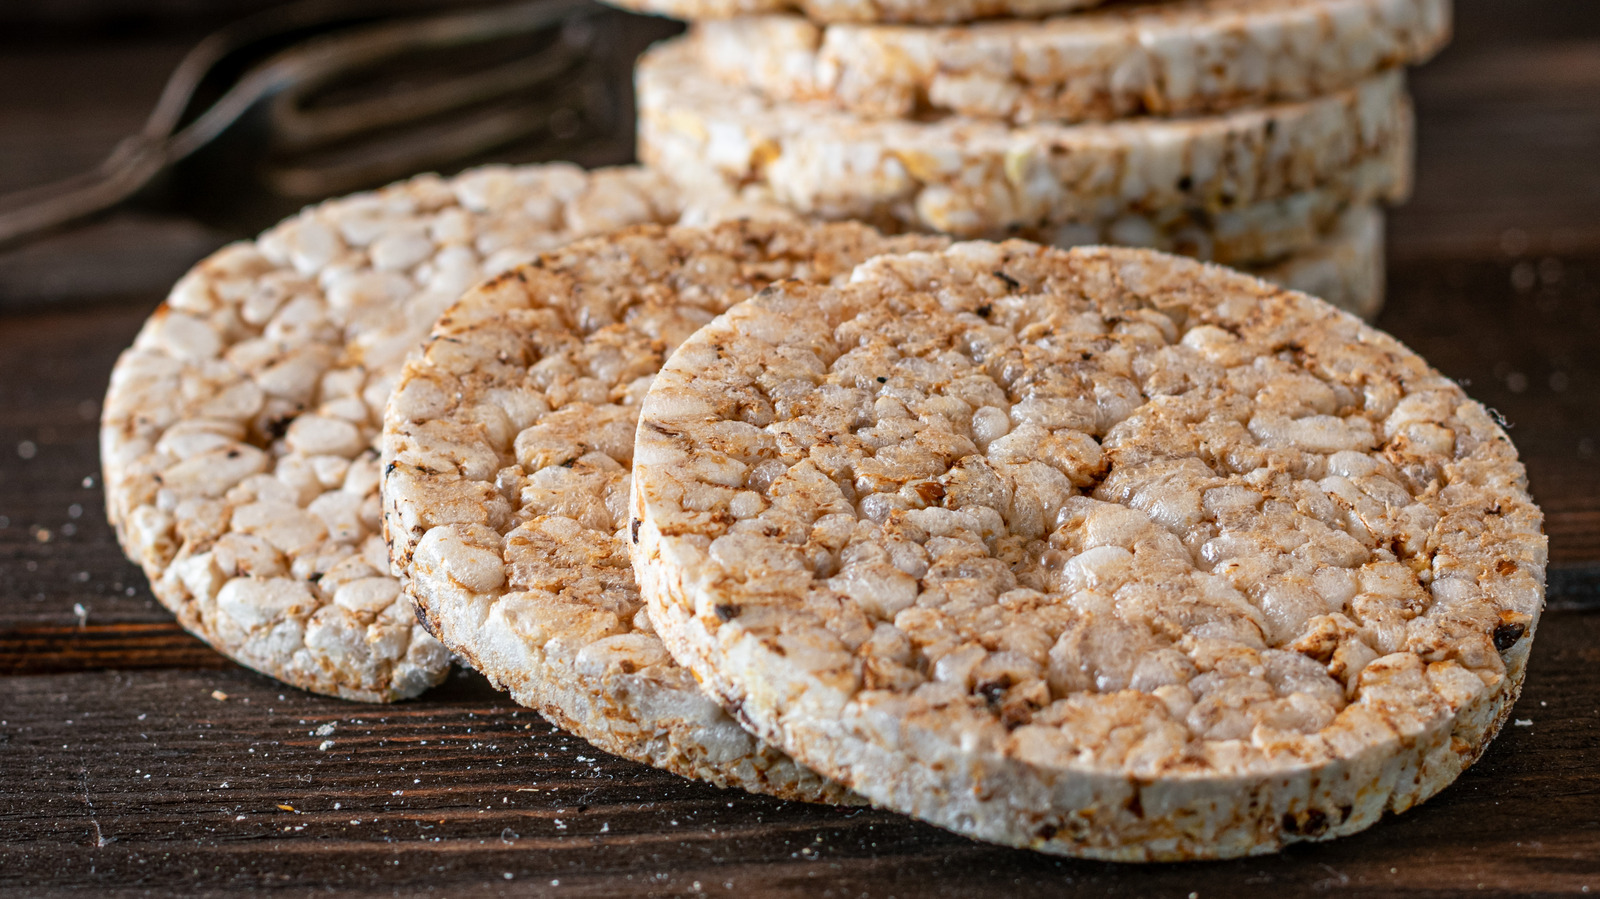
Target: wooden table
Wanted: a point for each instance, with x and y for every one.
(133, 760)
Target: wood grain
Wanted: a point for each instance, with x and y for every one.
(52, 649)
(123, 773)
(111, 779)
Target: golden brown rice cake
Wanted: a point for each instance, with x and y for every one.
(1100, 552)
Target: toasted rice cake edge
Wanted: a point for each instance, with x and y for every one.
(977, 178)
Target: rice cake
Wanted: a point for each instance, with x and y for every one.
(239, 432)
(909, 11)
(507, 448)
(1157, 57)
(1100, 552)
(976, 178)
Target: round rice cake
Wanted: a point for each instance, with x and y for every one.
(908, 11)
(1100, 552)
(239, 432)
(1157, 57)
(507, 448)
(975, 178)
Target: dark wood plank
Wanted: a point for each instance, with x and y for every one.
(57, 551)
(1507, 131)
(1495, 278)
(53, 649)
(150, 781)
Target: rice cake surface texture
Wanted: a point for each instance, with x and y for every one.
(507, 449)
(1153, 58)
(1099, 552)
(921, 12)
(975, 178)
(239, 432)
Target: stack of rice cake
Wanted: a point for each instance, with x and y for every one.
(1101, 552)
(1261, 134)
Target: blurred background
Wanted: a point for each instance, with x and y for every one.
(281, 105)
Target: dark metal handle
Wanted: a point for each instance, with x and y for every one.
(286, 76)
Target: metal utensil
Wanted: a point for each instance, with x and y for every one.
(362, 100)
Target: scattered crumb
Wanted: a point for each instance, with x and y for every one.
(325, 745)
(287, 808)
(219, 696)
(325, 730)
(27, 450)
(82, 613)
(1523, 722)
